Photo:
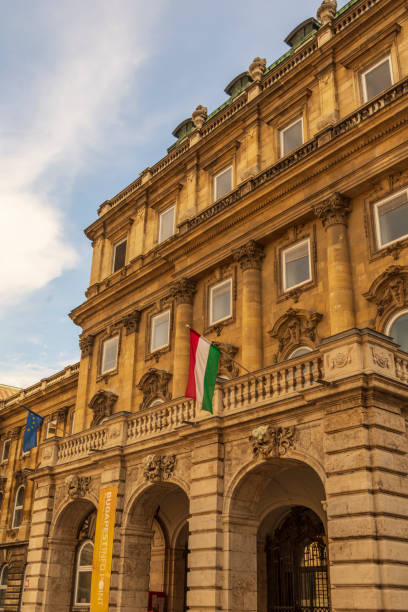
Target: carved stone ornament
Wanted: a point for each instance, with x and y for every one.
(249, 256)
(199, 116)
(257, 68)
(333, 210)
(154, 384)
(86, 344)
(226, 365)
(159, 467)
(132, 321)
(340, 359)
(268, 441)
(389, 292)
(295, 328)
(102, 405)
(327, 11)
(183, 291)
(77, 486)
(380, 359)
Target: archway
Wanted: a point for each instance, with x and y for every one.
(154, 548)
(258, 506)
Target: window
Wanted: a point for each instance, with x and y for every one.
(3, 586)
(296, 265)
(221, 301)
(160, 331)
(18, 507)
(6, 450)
(166, 223)
(377, 78)
(52, 428)
(84, 573)
(109, 354)
(119, 255)
(397, 328)
(291, 137)
(391, 218)
(222, 183)
(301, 350)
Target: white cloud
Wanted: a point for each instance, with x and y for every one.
(23, 374)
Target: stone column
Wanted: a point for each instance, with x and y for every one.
(250, 258)
(333, 213)
(183, 292)
(97, 246)
(86, 344)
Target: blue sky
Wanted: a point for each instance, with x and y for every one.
(90, 94)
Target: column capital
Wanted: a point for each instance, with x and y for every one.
(333, 210)
(249, 256)
(86, 344)
(183, 291)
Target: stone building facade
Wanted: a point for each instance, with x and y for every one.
(278, 227)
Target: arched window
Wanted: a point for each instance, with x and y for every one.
(3, 586)
(84, 573)
(156, 402)
(299, 351)
(397, 328)
(18, 507)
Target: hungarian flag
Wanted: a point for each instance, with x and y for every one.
(202, 374)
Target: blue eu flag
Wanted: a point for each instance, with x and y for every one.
(30, 433)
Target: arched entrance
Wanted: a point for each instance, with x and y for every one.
(154, 549)
(275, 536)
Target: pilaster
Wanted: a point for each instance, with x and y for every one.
(183, 292)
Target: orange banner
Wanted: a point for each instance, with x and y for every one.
(102, 557)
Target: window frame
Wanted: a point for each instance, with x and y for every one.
(283, 265)
(304, 347)
(161, 215)
(284, 129)
(377, 226)
(392, 320)
(103, 372)
(152, 327)
(372, 67)
(215, 176)
(115, 246)
(210, 311)
(13, 524)
(84, 568)
(51, 422)
(6, 443)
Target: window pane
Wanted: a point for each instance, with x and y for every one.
(2, 597)
(110, 354)
(297, 265)
(86, 555)
(120, 256)
(393, 219)
(378, 79)
(221, 302)
(292, 137)
(223, 183)
(302, 350)
(18, 515)
(160, 331)
(399, 331)
(6, 450)
(84, 587)
(20, 497)
(167, 224)
(4, 576)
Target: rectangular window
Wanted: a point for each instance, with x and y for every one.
(166, 223)
(377, 78)
(6, 450)
(119, 255)
(109, 354)
(52, 428)
(221, 301)
(291, 137)
(222, 183)
(296, 265)
(391, 218)
(160, 331)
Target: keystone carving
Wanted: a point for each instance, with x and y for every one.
(327, 11)
(249, 256)
(86, 344)
(294, 328)
(132, 321)
(77, 486)
(183, 291)
(226, 365)
(333, 210)
(102, 405)
(159, 467)
(257, 68)
(199, 116)
(389, 292)
(154, 385)
(268, 441)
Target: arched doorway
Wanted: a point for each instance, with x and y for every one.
(154, 549)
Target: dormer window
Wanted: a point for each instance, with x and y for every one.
(377, 78)
(222, 183)
(119, 255)
(291, 137)
(166, 223)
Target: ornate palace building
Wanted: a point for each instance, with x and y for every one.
(277, 226)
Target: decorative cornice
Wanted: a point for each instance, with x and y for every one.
(131, 322)
(249, 256)
(333, 210)
(183, 291)
(86, 344)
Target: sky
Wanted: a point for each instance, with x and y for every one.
(90, 94)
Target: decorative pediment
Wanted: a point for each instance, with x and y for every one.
(268, 441)
(389, 292)
(102, 405)
(295, 328)
(226, 365)
(154, 385)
